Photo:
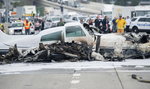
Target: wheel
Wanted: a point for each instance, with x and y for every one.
(135, 29)
(32, 33)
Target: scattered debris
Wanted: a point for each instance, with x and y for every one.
(139, 78)
(11, 56)
(122, 47)
(141, 45)
(137, 38)
(57, 52)
(97, 56)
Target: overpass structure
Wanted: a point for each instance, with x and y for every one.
(52, 4)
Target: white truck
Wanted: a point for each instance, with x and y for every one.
(131, 11)
(26, 11)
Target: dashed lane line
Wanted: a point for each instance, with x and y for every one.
(75, 81)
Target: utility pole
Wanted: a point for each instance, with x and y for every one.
(7, 3)
(62, 9)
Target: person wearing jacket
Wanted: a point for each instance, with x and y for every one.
(27, 26)
(128, 20)
(2, 27)
(114, 27)
(121, 23)
(98, 22)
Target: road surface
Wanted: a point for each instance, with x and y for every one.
(72, 76)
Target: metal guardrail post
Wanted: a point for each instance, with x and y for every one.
(98, 44)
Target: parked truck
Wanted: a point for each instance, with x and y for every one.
(26, 11)
(132, 11)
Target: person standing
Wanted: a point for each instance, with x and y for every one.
(61, 22)
(120, 25)
(105, 25)
(37, 26)
(42, 25)
(2, 27)
(128, 20)
(114, 27)
(98, 23)
(90, 21)
(27, 26)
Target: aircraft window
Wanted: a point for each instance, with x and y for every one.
(52, 36)
(74, 31)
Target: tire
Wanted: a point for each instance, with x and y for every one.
(135, 29)
(32, 32)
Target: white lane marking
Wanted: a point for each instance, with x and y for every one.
(139, 66)
(76, 75)
(73, 88)
(75, 81)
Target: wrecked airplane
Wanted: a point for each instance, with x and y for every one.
(70, 32)
(73, 42)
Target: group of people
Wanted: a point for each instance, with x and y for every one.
(38, 25)
(119, 25)
(102, 24)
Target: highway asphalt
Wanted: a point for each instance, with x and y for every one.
(74, 78)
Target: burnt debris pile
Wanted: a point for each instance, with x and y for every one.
(130, 46)
(141, 46)
(46, 53)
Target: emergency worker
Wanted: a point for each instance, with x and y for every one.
(121, 23)
(2, 27)
(27, 26)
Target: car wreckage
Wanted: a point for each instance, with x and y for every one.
(73, 42)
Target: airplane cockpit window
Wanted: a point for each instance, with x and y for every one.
(74, 31)
(52, 36)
